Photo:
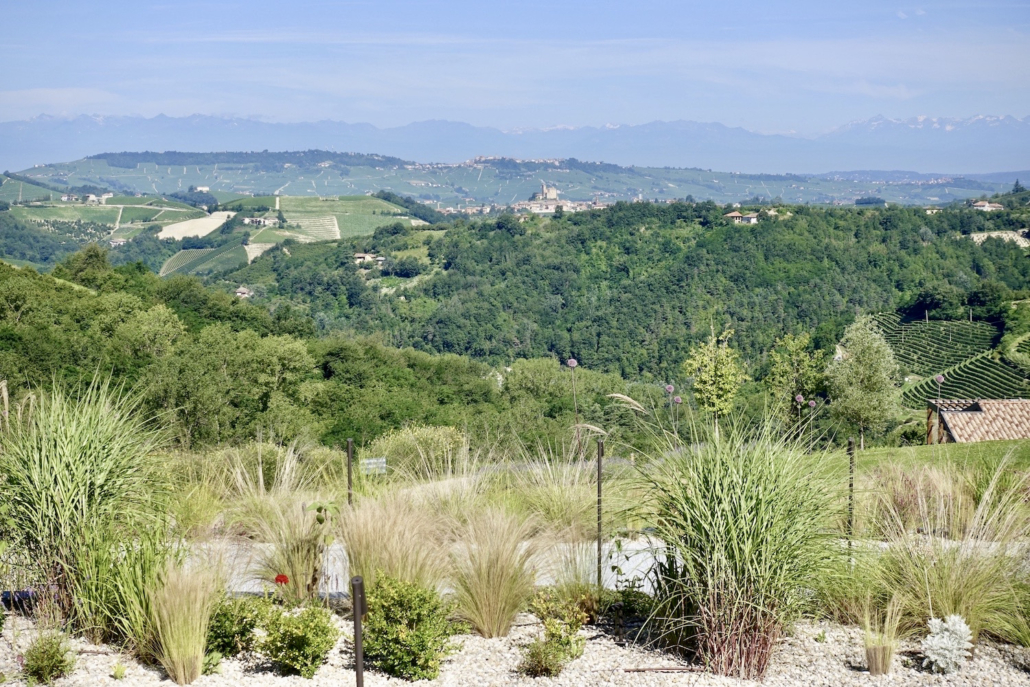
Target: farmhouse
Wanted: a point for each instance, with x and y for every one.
(69, 197)
(244, 292)
(118, 242)
(987, 207)
(360, 258)
(966, 421)
(261, 221)
(749, 218)
(203, 189)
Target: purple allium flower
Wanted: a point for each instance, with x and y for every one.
(811, 404)
(669, 388)
(799, 398)
(940, 379)
(677, 399)
(571, 362)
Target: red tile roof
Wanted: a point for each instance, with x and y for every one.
(986, 419)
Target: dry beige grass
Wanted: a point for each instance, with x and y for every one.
(494, 570)
(181, 609)
(394, 536)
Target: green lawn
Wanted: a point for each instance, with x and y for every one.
(946, 453)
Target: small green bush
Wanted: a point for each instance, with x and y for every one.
(48, 658)
(300, 643)
(540, 658)
(407, 631)
(231, 630)
(562, 617)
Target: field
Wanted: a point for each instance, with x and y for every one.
(66, 213)
(502, 182)
(14, 191)
(315, 217)
(195, 227)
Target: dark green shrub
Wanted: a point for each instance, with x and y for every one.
(231, 630)
(300, 643)
(562, 617)
(47, 658)
(407, 632)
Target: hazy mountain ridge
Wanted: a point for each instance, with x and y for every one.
(968, 146)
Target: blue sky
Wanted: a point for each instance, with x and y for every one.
(802, 66)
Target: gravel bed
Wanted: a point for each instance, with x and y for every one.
(800, 660)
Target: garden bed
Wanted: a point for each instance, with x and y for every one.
(809, 657)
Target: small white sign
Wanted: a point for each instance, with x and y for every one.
(373, 466)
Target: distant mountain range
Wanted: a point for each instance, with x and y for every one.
(976, 145)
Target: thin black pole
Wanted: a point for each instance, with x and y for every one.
(350, 472)
(359, 608)
(600, 459)
(851, 489)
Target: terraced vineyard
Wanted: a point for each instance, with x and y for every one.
(926, 348)
(186, 261)
(183, 258)
(978, 377)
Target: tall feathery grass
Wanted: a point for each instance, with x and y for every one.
(274, 491)
(395, 536)
(181, 607)
(84, 495)
(743, 523)
(494, 570)
(951, 561)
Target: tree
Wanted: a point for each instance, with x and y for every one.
(1017, 187)
(796, 371)
(717, 374)
(863, 381)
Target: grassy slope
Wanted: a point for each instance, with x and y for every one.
(10, 190)
(953, 453)
(451, 185)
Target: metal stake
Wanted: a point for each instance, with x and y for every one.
(600, 459)
(350, 472)
(360, 610)
(851, 489)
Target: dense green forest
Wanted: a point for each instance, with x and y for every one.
(216, 369)
(465, 324)
(629, 289)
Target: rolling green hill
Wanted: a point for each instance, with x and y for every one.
(491, 181)
(630, 289)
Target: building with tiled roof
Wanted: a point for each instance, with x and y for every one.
(967, 420)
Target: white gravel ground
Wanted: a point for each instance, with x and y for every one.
(799, 661)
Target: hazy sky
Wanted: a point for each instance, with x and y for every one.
(803, 66)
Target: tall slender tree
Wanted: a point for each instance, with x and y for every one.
(863, 380)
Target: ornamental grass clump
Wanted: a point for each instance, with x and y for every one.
(182, 605)
(494, 570)
(977, 572)
(394, 536)
(881, 636)
(84, 496)
(742, 521)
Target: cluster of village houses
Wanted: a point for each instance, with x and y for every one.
(89, 198)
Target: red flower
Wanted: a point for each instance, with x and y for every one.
(281, 579)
